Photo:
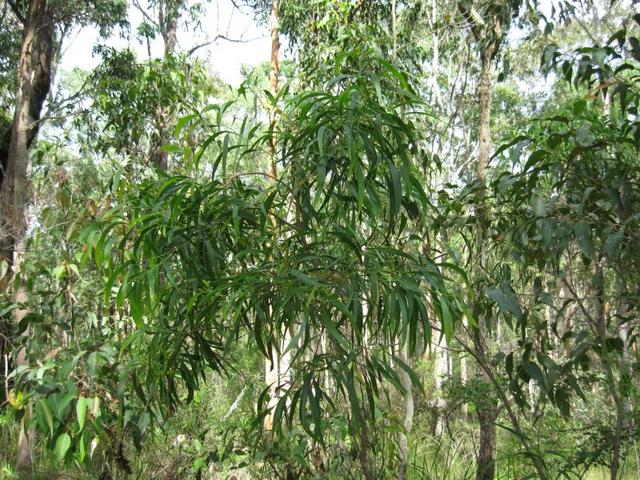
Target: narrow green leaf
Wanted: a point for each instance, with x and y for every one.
(447, 319)
(306, 279)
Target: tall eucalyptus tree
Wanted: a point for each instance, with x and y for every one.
(43, 26)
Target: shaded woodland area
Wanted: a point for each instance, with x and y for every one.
(405, 246)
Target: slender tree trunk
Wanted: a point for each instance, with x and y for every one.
(617, 436)
(599, 322)
(274, 78)
(487, 414)
(34, 80)
(485, 91)
(394, 34)
(363, 434)
(626, 415)
(168, 16)
(170, 34)
(277, 374)
(440, 373)
(486, 409)
(408, 410)
(464, 371)
(485, 365)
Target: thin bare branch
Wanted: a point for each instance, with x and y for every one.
(222, 37)
(147, 17)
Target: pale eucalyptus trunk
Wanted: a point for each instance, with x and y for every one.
(274, 79)
(440, 374)
(277, 373)
(408, 412)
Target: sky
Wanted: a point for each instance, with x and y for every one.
(224, 57)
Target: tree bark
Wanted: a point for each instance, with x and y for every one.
(485, 93)
(440, 374)
(34, 81)
(599, 321)
(170, 30)
(363, 448)
(274, 79)
(168, 16)
(486, 454)
(486, 408)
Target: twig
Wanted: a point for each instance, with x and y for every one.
(236, 403)
(222, 37)
(136, 3)
(6, 375)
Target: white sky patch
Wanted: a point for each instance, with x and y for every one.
(223, 56)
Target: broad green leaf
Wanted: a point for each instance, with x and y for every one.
(81, 411)
(447, 319)
(612, 245)
(63, 442)
(44, 415)
(507, 301)
(535, 372)
(582, 232)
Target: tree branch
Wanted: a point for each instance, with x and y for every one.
(147, 17)
(16, 11)
(222, 37)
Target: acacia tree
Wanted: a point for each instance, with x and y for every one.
(348, 276)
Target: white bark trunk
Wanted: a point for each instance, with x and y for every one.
(440, 374)
(408, 410)
(277, 373)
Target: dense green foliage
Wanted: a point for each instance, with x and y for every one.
(327, 279)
